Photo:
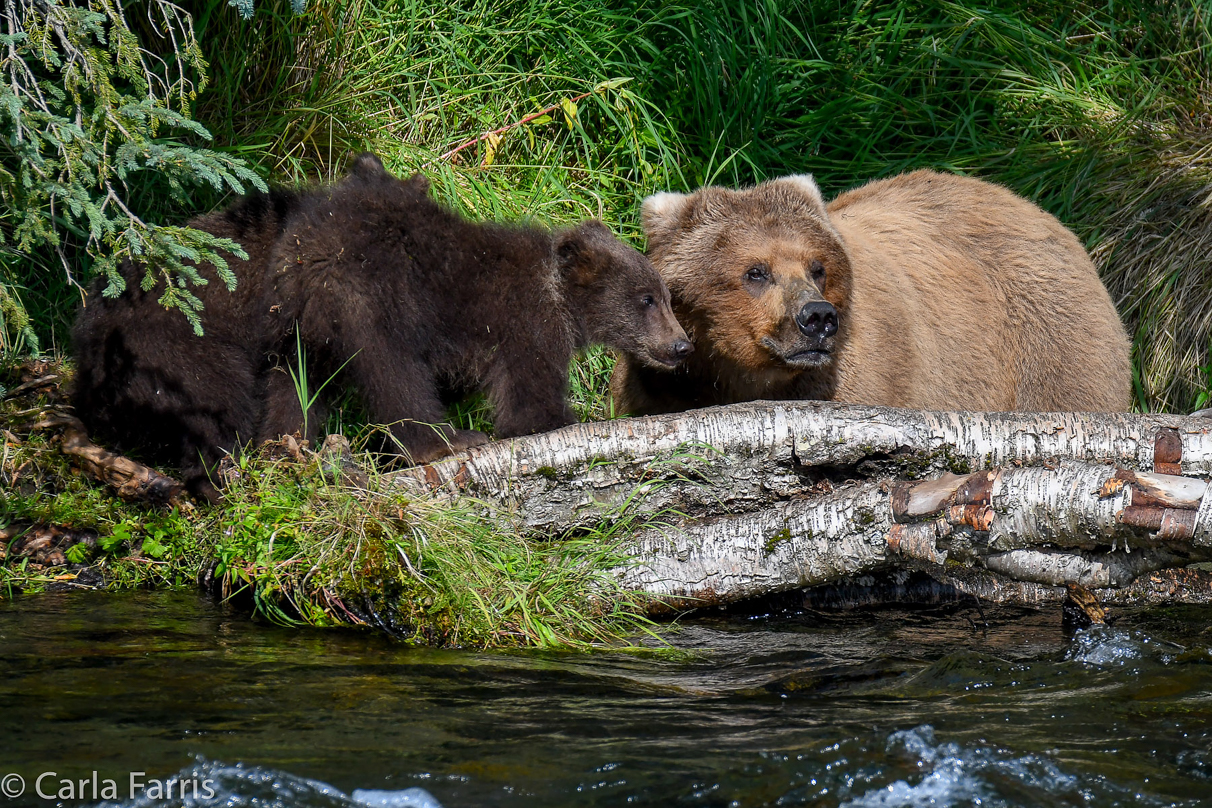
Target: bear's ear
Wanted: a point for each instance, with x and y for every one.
(367, 166)
(803, 185)
(575, 252)
(419, 183)
(663, 214)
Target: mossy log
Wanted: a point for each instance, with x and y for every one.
(734, 502)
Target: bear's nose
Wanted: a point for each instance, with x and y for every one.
(682, 348)
(817, 319)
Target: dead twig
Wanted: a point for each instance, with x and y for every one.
(502, 130)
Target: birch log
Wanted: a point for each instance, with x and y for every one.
(756, 498)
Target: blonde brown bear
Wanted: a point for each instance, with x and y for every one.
(926, 290)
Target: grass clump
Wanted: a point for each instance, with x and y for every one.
(437, 571)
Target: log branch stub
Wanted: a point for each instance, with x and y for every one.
(977, 489)
(919, 541)
(1146, 517)
(1167, 490)
(1176, 525)
(1167, 452)
(914, 500)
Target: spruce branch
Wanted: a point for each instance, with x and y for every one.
(84, 109)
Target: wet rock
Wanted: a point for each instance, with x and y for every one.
(81, 576)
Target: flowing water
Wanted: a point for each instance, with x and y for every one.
(873, 709)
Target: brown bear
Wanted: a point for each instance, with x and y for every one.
(925, 290)
(401, 298)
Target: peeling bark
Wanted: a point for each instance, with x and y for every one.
(756, 498)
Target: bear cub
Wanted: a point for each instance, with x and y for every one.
(384, 289)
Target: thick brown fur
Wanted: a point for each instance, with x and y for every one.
(951, 293)
(402, 299)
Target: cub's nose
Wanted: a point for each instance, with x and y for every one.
(817, 319)
(682, 349)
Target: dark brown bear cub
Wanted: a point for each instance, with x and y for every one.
(384, 288)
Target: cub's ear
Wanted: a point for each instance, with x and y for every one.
(418, 183)
(367, 166)
(804, 186)
(662, 215)
(576, 253)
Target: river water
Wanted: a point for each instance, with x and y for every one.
(868, 709)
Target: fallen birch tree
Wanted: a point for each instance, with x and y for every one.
(753, 499)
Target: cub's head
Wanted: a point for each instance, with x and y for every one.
(759, 277)
(618, 297)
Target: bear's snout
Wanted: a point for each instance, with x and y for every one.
(681, 349)
(670, 353)
(817, 320)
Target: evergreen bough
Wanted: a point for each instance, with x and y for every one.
(84, 107)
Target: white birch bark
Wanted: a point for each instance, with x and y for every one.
(1046, 526)
(745, 456)
(762, 497)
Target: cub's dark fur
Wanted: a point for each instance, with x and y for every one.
(408, 302)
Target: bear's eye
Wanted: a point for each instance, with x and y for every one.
(648, 300)
(818, 273)
(758, 272)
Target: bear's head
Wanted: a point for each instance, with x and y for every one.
(618, 297)
(759, 277)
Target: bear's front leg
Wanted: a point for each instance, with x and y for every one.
(401, 392)
(528, 396)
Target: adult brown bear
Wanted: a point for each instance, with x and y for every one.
(412, 305)
(926, 290)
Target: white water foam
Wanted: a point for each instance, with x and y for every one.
(957, 775)
(406, 798)
(1105, 646)
(210, 784)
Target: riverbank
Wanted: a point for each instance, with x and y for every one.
(298, 541)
